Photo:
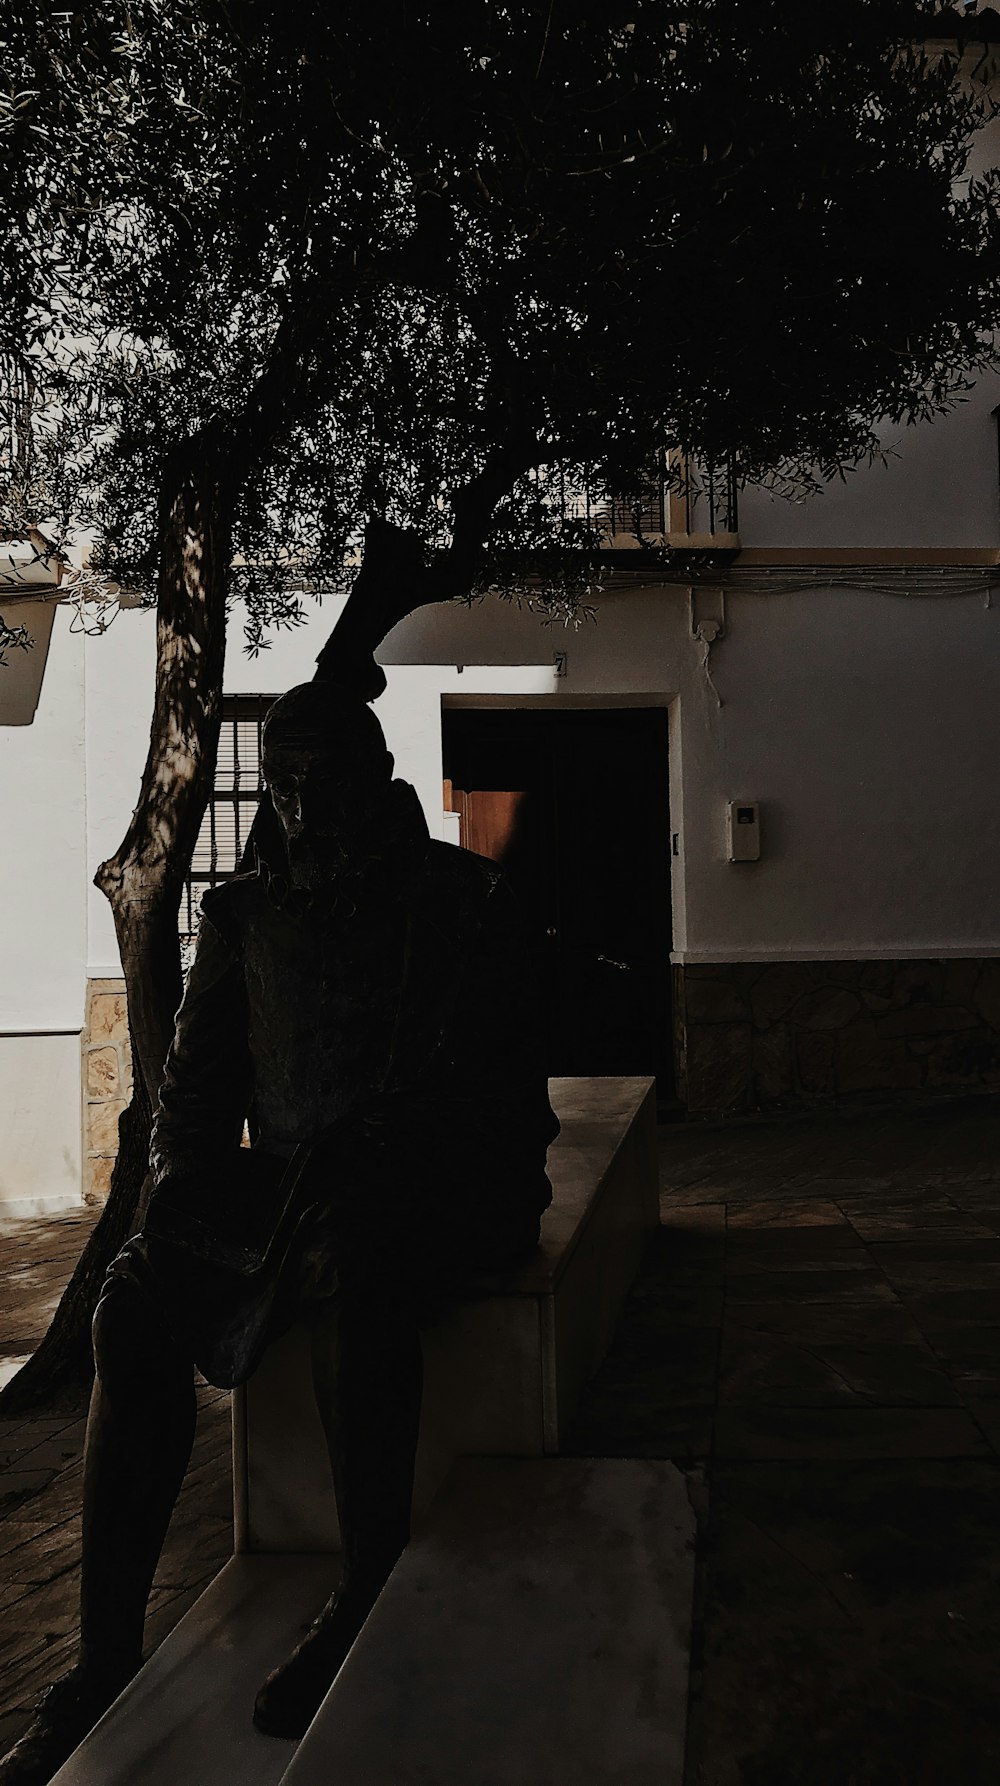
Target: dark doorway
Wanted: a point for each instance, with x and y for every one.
(574, 804)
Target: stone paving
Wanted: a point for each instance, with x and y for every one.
(815, 1339)
(41, 1460)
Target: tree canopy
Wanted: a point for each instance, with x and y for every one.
(401, 256)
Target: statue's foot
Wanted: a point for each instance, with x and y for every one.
(292, 1695)
(65, 1714)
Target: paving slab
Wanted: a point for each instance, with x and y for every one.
(776, 1370)
(938, 1311)
(837, 1432)
(849, 1626)
(968, 1348)
(853, 1322)
(856, 1283)
(757, 1258)
(706, 1219)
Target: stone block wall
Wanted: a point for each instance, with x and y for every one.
(107, 1083)
(773, 1036)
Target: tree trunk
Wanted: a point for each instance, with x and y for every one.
(144, 879)
(390, 584)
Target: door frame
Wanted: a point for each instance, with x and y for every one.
(577, 701)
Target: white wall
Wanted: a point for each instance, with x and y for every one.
(866, 725)
(941, 485)
(42, 897)
(120, 668)
(40, 1136)
(43, 901)
(939, 488)
(290, 657)
(851, 677)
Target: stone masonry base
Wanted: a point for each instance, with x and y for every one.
(750, 1037)
(775, 1036)
(107, 1083)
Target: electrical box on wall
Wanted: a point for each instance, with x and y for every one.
(743, 830)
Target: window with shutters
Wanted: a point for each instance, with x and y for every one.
(229, 815)
(686, 504)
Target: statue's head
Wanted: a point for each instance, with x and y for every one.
(327, 769)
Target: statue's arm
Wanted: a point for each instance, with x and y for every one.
(208, 1079)
(484, 1095)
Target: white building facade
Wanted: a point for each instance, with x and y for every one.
(834, 682)
(849, 696)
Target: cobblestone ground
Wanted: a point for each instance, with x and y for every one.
(41, 1459)
(815, 1339)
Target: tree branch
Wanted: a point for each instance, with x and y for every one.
(396, 578)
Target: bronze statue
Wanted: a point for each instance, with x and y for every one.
(364, 1000)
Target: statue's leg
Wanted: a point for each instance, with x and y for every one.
(139, 1436)
(368, 1379)
(138, 1443)
(367, 1373)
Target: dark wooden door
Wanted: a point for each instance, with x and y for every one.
(574, 805)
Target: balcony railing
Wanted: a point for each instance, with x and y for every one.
(691, 505)
(702, 505)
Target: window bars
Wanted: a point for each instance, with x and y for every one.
(229, 815)
(686, 499)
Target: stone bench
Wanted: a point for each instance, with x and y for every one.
(534, 1633)
(503, 1374)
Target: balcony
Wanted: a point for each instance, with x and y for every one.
(689, 507)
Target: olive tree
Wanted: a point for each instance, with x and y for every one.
(309, 297)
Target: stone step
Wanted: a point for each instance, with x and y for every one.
(536, 1633)
(186, 1718)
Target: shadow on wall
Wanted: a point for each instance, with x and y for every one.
(22, 671)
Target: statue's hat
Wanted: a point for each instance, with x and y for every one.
(319, 716)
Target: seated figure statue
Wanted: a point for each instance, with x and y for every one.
(365, 999)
